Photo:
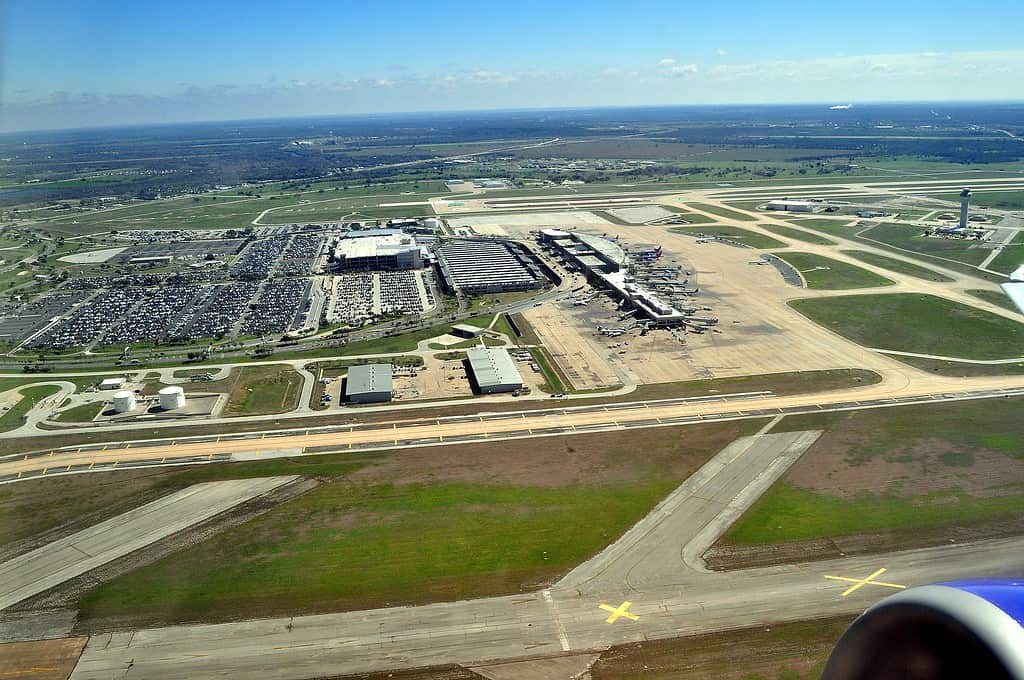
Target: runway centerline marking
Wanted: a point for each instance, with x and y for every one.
(861, 582)
(622, 611)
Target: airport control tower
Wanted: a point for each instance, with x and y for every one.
(965, 203)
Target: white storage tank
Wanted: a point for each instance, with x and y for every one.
(124, 401)
(172, 397)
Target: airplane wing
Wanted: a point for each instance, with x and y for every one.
(1015, 288)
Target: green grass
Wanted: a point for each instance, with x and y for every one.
(723, 212)
(932, 437)
(261, 390)
(344, 544)
(749, 238)
(1010, 257)
(83, 413)
(30, 396)
(789, 513)
(798, 234)
(995, 297)
(898, 266)
(908, 237)
(553, 383)
(925, 324)
(827, 274)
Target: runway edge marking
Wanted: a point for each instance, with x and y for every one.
(563, 638)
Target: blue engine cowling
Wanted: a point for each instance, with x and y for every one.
(961, 629)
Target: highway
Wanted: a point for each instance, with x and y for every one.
(647, 568)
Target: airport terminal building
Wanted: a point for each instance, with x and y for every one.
(607, 265)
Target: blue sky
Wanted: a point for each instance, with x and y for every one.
(88, 62)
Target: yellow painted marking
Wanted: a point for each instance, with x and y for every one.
(210, 457)
(622, 611)
(481, 419)
(26, 457)
(68, 467)
(115, 463)
(396, 424)
(396, 442)
(572, 426)
(20, 474)
(530, 430)
(104, 448)
(51, 454)
(163, 459)
(263, 436)
(350, 445)
(128, 445)
(307, 433)
(440, 437)
(91, 464)
(173, 442)
(861, 582)
(218, 441)
(658, 419)
(44, 470)
(645, 405)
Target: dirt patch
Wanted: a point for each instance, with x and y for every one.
(42, 659)
(915, 468)
(726, 556)
(600, 458)
(792, 651)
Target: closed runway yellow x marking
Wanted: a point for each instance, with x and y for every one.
(622, 611)
(861, 582)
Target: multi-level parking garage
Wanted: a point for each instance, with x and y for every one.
(474, 267)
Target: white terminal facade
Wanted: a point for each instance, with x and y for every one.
(607, 265)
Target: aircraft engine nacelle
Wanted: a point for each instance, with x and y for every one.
(962, 629)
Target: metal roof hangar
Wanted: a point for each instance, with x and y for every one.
(475, 267)
(494, 370)
(368, 383)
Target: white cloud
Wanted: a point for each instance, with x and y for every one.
(680, 70)
(720, 52)
(666, 62)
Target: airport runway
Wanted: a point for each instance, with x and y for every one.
(64, 559)
(639, 589)
(895, 389)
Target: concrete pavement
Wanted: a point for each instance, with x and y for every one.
(64, 559)
(667, 599)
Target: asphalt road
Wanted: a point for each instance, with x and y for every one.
(646, 567)
(49, 566)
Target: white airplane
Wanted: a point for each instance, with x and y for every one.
(1015, 288)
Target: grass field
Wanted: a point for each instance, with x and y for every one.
(827, 274)
(995, 297)
(83, 413)
(917, 323)
(1010, 257)
(867, 236)
(723, 212)
(30, 396)
(898, 266)
(895, 469)
(262, 390)
(908, 237)
(497, 524)
(744, 236)
(798, 234)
